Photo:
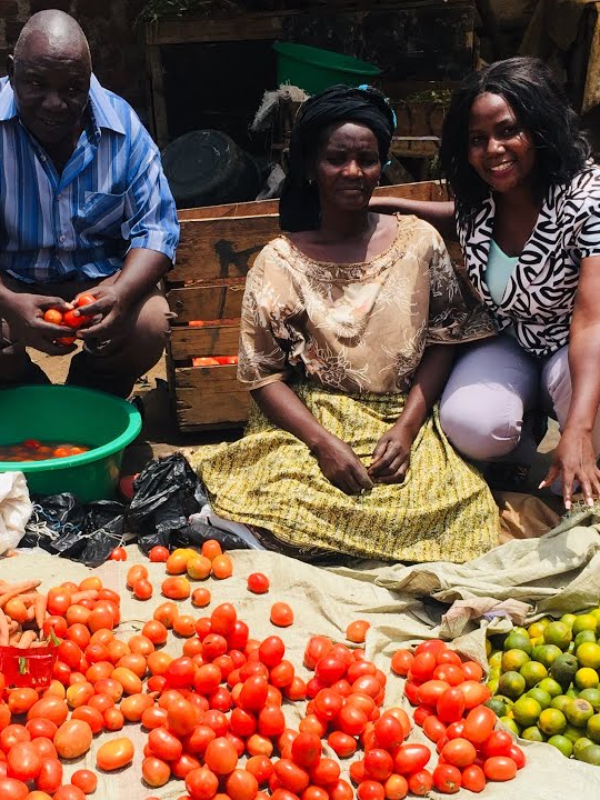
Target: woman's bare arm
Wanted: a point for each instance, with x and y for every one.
(438, 214)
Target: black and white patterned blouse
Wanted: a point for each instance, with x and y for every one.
(540, 295)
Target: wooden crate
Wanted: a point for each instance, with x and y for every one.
(217, 248)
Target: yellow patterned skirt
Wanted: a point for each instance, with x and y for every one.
(270, 480)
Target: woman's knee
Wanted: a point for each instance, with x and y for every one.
(482, 425)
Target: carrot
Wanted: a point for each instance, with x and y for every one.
(27, 639)
(4, 631)
(88, 594)
(40, 610)
(17, 589)
(31, 613)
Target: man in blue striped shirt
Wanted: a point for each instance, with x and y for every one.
(84, 207)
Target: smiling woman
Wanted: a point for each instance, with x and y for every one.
(348, 326)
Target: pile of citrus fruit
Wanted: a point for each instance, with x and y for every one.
(546, 683)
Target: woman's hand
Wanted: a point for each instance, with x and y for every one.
(575, 459)
(341, 466)
(391, 457)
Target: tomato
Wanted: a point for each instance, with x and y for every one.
(223, 619)
(325, 772)
(451, 705)
(446, 778)
(55, 624)
(281, 614)
(242, 785)
(479, 724)
(433, 728)
(459, 753)
(155, 771)
(378, 764)
(396, 787)
(176, 588)
(69, 792)
(201, 783)
(472, 670)
(370, 790)
(402, 662)
(201, 597)
(271, 721)
(73, 738)
(261, 767)
(357, 631)
(258, 583)
(517, 755)
(498, 744)
(118, 554)
(389, 732)
(449, 673)
(342, 744)
(143, 589)
(475, 694)
(155, 631)
(40, 727)
(92, 716)
(271, 651)
(291, 776)
(317, 648)
(411, 757)
(422, 666)
(85, 779)
(306, 749)
(182, 717)
(254, 692)
(54, 317)
(431, 691)
(340, 790)
(158, 553)
(85, 299)
(59, 600)
(499, 768)
(12, 789)
(221, 756)
(222, 567)
(473, 779)
(420, 783)
(115, 754)
(24, 761)
(50, 776)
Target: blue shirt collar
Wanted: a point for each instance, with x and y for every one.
(103, 114)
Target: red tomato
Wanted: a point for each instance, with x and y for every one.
(342, 744)
(281, 614)
(201, 783)
(223, 619)
(499, 768)
(328, 704)
(411, 758)
(498, 744)
(115, 754)
(449, 673)
(85, 299)
(329, 670)
(118, 554)
(241, 785)
(456, 730)
(422, 666)
(258, 583)
(271, 721)
(24, 761)
(352, 720)
(420, 783)
(306, 749)
(253, 694)
(378, 764)
(472, 670)
(473, 779)
(155, 771)
(164, 744)
(451, 705)
(158, 553)
(291, 776)
(459, 753)
(421, 713)
(401, 662)
(85, 779)
(182, 717)
(325, 772)
(475, 694)
(69, 792)
(142, 589)
(517, 755)
(317, 648)
(433, 728)
(431, 691)
(340, 790)
(50, 776)
(271, 651)
(370, 790)
(479, 724)
(221, 756)
(434, 646)
(389, 732)
(446, 778)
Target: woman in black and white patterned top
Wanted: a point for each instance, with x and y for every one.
(527, 212)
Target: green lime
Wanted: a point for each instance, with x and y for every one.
(586, 678)
(551, 686)
(590, 755)
(513, 660)
(560, 702)
(536, 629)
(584, 622)
(562, 743)
(533, 734)
(593, 728)
(584, 636)
(512, 684)
(568, 619)
(533, 672)
(551, 721)
(578, 712)
(511, 725)
(572, 733)
(592, 696)
(495, 659)
(588, 655)
(559, 634)
(526, 711)
(492, 685)
(497, 705)
(517, 640)
(541, 696)
(546, 654)
(580, 745)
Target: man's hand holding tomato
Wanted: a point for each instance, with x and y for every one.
(25, 316)
(110, 316)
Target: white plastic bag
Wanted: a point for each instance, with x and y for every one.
(15, 509)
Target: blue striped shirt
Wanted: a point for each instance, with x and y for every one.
(112, 196)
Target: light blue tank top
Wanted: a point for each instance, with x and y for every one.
(499, 270)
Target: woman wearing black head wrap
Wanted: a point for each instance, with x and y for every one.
(347, 329)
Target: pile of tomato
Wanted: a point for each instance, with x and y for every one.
(73, 318)
(214, 715)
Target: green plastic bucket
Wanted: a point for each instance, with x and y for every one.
(314, 69)
(67, 413)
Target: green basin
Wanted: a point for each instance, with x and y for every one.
(314, 69)
(70, 414)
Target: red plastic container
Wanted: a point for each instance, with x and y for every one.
(31, 668)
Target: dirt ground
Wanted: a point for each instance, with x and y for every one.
(160, 437)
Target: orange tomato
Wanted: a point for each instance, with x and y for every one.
(199, 568)
(357, 631)
(201, 597)
(115, 754)
(177, 588)
(53, 316)
(282, 615)
(73, 738)
(211, 549)
(222, 566)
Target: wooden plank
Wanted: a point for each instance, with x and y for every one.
(187, 343)
(221, 248)
(198, 410)
(209, 301)
(210, 380)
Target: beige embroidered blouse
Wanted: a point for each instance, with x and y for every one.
(354, 327)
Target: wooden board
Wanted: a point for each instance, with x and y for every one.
(187, 343)
(201, 410)
(209, 301)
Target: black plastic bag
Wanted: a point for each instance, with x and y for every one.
(63, 526)
(196, 534)
(166, 493)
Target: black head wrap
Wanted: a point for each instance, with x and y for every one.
(299, 204)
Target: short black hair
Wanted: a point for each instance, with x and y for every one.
(542, 108)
